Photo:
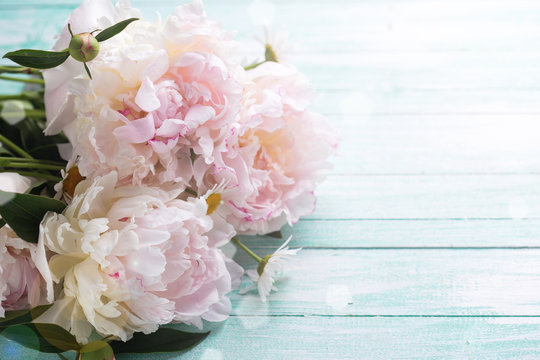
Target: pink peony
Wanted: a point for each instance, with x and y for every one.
(276, 155)
(24, 276)
(131, 258)
(161, 94)
(66, 83)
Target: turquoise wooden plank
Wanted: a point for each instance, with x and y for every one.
(395, 144)
(384, 101)
(324, 338)
(428, 197)
(393, 53)
(361, 71)
(386, 26)
(402, 282)
(477, 233)
(377, 26)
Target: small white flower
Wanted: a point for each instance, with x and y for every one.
(268, 270)
(276, 44)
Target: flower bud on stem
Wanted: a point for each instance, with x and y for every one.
(83, 47)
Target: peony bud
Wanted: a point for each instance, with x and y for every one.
(83, 47)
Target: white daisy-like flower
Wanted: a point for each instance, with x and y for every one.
(270, 267)
(276, 44)
(218, 213)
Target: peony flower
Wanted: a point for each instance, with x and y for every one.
(13, 182)
(270, 267)
(67, 82)
(131, 258)
(162, 93)
(25, 280)
(276, 153)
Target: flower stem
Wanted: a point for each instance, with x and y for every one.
(246, 249)
(26, 95)
(14, 147)
(31, 161)
(35, 174)
(29, 81)
(28, 113)
(253, 66)
(21, 165)
(18, 70)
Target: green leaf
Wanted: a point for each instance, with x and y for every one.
(114, 30)
(47, 338)
(276, 234)
(46, 152)
(24, 212)
(4, 151)
(22, 316)
(163, 340)
(38, 59)
(87, 71)
(97, 350)
(37, 188)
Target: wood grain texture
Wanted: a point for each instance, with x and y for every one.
(405, 233)
(427, 144)
(425, 241)
(337, 338)
(428, 197)
(403, 282)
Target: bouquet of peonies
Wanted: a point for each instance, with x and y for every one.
(160, 147)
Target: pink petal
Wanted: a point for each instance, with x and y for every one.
(136, 131)
(146, 96)
(171, 128)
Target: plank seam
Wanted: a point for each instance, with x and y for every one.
(427, 219)
(387, 316)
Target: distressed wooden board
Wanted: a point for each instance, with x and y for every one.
(376, 25)
(438, 104)
(408, 233)
(428, 197)
(355, 69)
(386, 101)
(373, 338)
(395, 144)
(366, 25)
(402, 282)
(285, 338)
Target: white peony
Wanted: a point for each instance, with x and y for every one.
(131, 258)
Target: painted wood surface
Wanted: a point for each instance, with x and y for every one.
(426, 239)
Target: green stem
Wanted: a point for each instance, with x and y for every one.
(29, 81)
(253, 66)
(19, 70)
(246, 249)
(30, 161)
(36, 175)
(14, 147)
(28, 113)
(27, 95)
(32, 166)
